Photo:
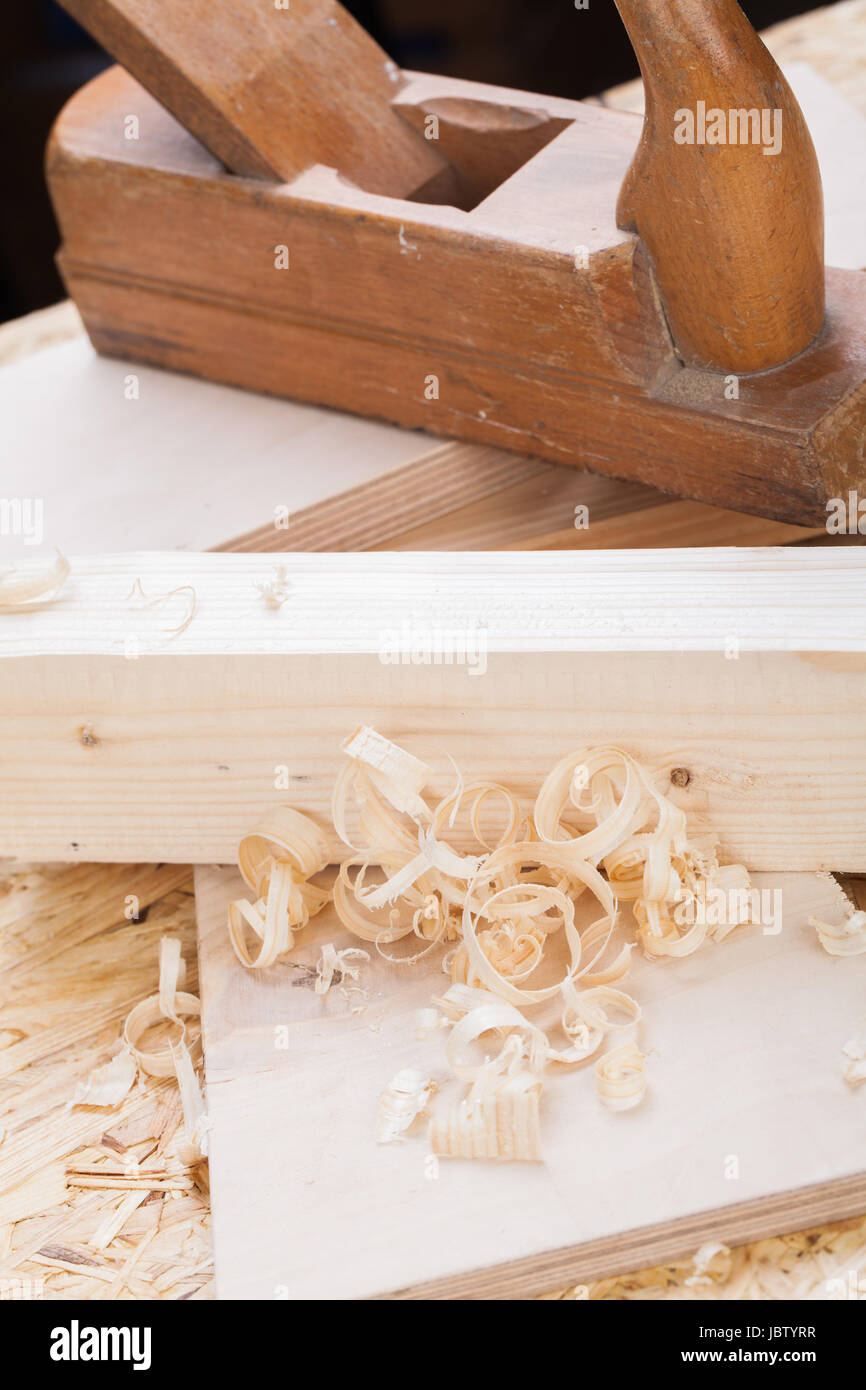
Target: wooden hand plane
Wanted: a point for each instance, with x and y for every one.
(263, 198)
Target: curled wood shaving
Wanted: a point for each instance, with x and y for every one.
(172, 1058)
(600, 833)
(402, 1101)
(277, 860)
(714, 1253)
(333, 963)
(500, 1123)
(620, 1079)
(158, 1061)
(854, 1050)
(108, 1084)
(846, 938)
(168, 1004)
(397, 774)
(492, 1014)
(602, 805)
(137, 592)
(22, 591)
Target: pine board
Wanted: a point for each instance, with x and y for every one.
(122, 740)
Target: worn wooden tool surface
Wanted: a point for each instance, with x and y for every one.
(724, 190)
(270, 89)
(398, 310)
(717, 1152)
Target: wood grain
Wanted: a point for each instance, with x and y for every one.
(734, 231)
(331, 1214)
(270, 90)
(443, 481)
(124, 739)
(79, 948)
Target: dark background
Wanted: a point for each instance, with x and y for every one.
(539, 45)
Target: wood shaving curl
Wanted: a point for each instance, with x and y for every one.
(400, 1104)
(107, 1086)
(24, 591)
(137, 592)
(277, 860)
(620, 1079)
(846, 938)
(854, 1050)
(502, 1123)
(599, 832)
(170, 1004)
(335, 964)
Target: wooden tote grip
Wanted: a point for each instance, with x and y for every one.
(270, 91)
(724, 189)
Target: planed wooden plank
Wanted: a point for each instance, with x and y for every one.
(447, 479)
(771, 598)
(564, 511)
(740, 1034)
(122, 738)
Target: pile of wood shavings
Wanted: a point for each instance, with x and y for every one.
(96, 1202)
(599, 830)
(825, 1264)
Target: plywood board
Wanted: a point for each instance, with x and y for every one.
(748, 1128)
(127, 457)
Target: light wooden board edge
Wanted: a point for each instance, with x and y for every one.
(767, 598)
(796, 1210)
